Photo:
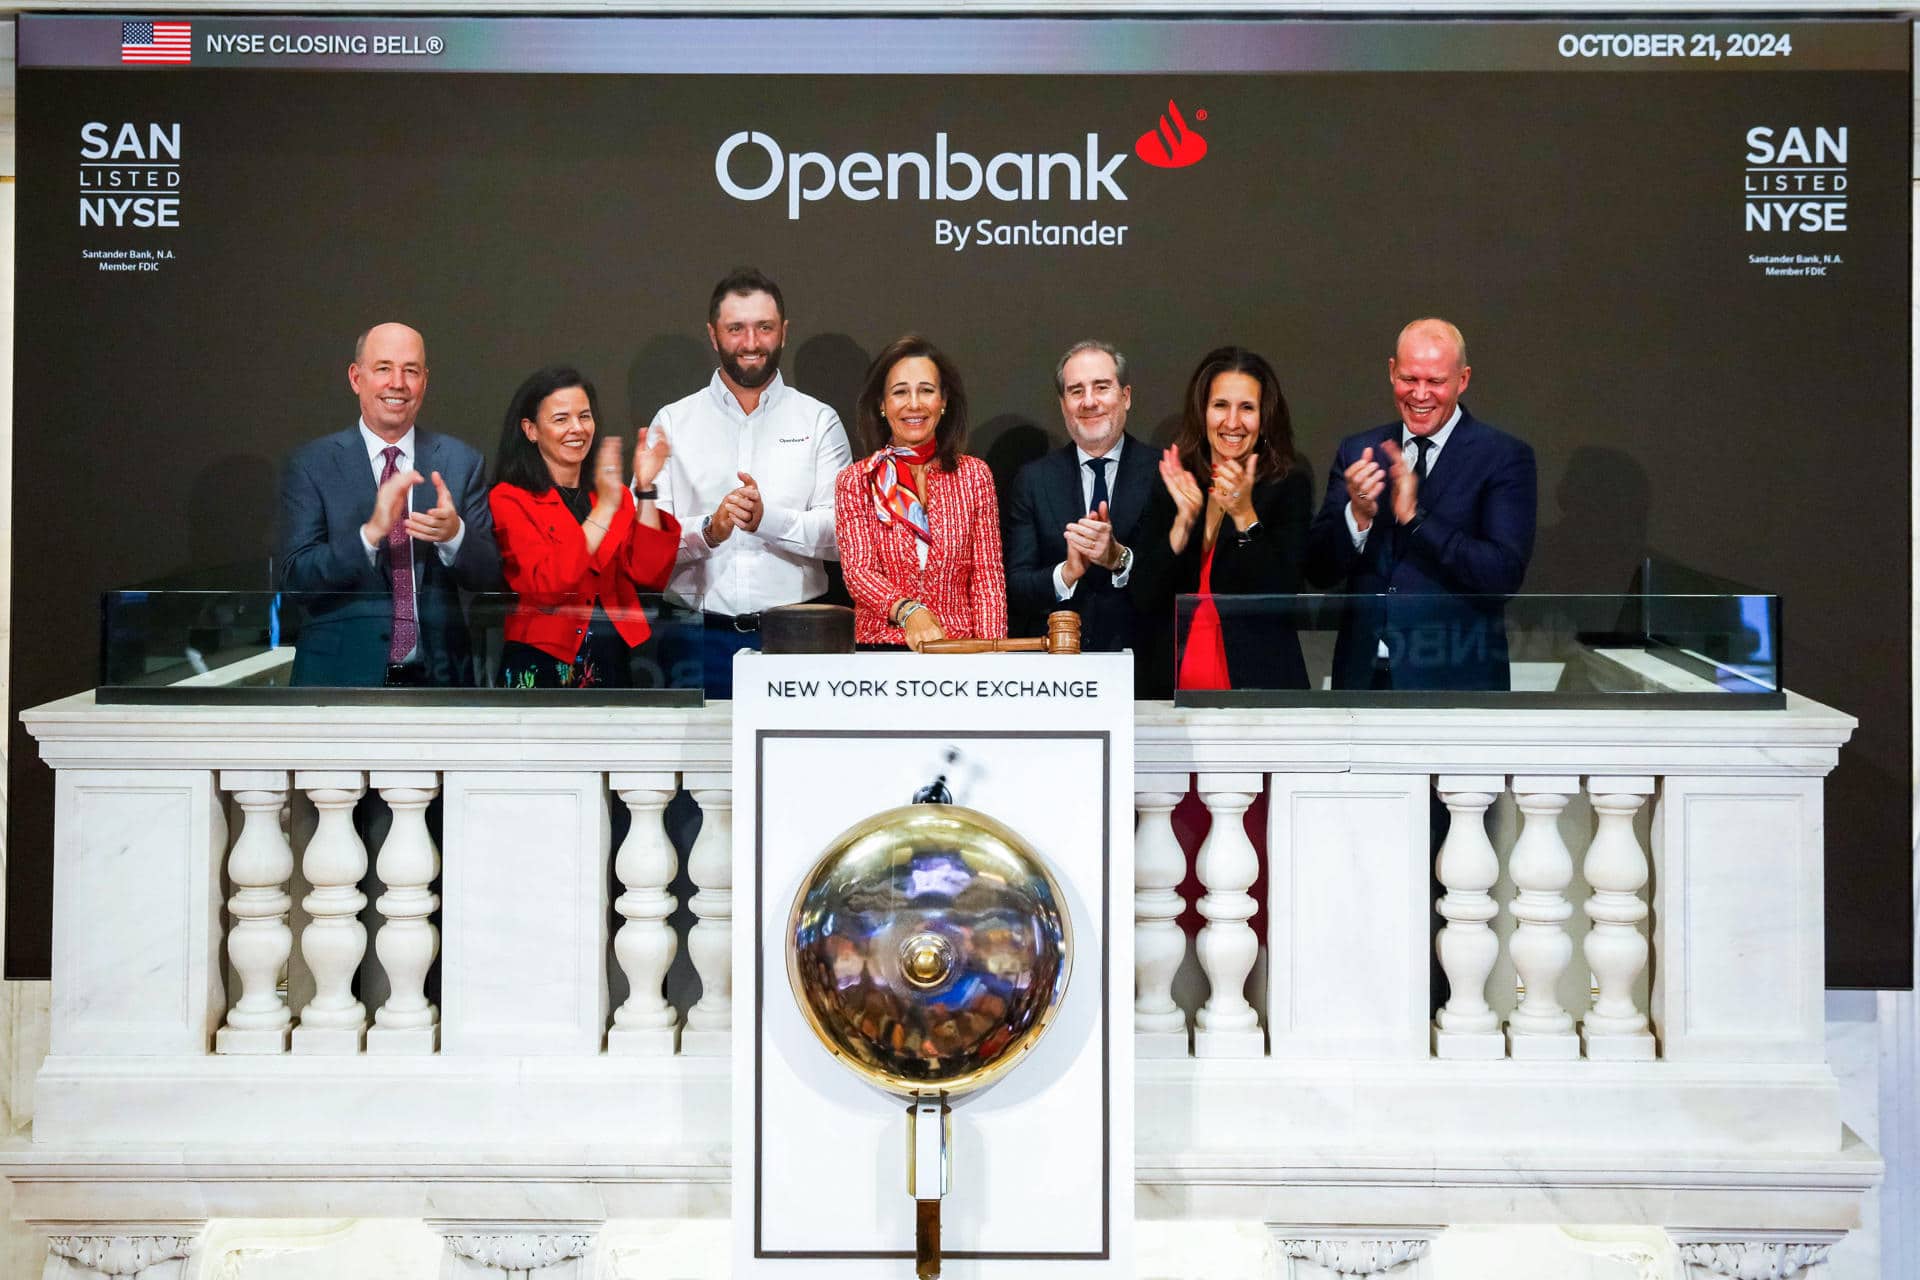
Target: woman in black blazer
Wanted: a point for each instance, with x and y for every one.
(1230, 518)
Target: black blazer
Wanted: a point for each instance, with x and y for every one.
(1263, 651)
(1045, 498)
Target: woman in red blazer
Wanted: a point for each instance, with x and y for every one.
(917, 523)
(577, 549)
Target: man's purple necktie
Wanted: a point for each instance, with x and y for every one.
(406, 627)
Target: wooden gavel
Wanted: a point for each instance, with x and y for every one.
(1063, 636)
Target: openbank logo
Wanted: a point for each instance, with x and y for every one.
(1083, 174)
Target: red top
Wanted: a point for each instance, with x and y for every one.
(1203, 662)
(543, 555)
(963, 583)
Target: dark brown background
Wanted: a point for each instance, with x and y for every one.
(1584, 230)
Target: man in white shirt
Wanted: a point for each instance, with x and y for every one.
(381, 526)
(750, 478)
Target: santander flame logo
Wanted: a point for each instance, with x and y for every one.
(1172, 145)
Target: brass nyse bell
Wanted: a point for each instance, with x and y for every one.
(929, 949)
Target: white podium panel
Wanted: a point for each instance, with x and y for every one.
(1043, 1160)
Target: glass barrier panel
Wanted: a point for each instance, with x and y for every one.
(264, 646)
(1637, 649)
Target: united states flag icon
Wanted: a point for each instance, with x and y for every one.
(156, 42)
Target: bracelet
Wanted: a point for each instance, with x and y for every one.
(596, 524)
(648, 494)
(906, 609)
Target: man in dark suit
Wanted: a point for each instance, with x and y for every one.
(381, 526)
(1434, 516)
(1073, 512)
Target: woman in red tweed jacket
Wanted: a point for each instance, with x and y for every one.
(917, 522)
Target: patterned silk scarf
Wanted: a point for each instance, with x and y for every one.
(892, 488)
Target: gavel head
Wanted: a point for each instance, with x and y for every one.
(1063, 631)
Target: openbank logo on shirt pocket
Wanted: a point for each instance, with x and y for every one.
(1088, 173)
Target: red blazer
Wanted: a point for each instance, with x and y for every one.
(543, 555)
(964, 582)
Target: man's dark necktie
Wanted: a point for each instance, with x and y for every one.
(1421, 444)
(406, 626)
(1100, 493)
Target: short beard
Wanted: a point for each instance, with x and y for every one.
(752, 381)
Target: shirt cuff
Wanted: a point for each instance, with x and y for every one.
(1354, 530)
(450, 549)
(373, 552)
(776, 523)
(1120, 578)
(1061, 591)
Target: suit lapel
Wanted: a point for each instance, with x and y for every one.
(1455, 461)
(356, 473)
(1064, 489)
(1133, 490)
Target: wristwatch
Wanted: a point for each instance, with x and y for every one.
(706, 523)
(1126, 562)
(1245, 536)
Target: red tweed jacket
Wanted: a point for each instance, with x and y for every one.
(963, 583)
(543, 555)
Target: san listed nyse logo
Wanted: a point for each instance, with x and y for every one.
(129, 174)
(752, 166)
(1796, 178)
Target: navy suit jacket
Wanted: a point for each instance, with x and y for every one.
(1443, 584)
(1046, 497)
(326, 494)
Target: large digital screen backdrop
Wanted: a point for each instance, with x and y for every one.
(1679, 251)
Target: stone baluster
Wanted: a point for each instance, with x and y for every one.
(120, 1255)
(645, 944)
(334, 940)
(710, 942)
(1616, 871)
(260, 942)
(1159, 944)
(407, 1022)
(1228, 1026)
(1541, 947)
(1468, 1027)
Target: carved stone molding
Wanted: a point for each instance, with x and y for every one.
(1356, 1256)
(120, 1255)
(519, 1251)
(1754, 1259)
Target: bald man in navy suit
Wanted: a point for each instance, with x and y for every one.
(1071, 514)
(381, 526)
(1432, 516)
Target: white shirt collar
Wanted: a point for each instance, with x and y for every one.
(769, 394)
(1439, 437)
(376, 446)
(1113, 453)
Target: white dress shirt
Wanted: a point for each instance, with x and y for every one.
(375, 448)
(793, 446)
(1062, 589)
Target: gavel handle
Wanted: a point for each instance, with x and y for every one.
(1025, 644)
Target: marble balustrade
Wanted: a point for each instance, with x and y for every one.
(1626, 908)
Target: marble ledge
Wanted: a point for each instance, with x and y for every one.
(1802, 739)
